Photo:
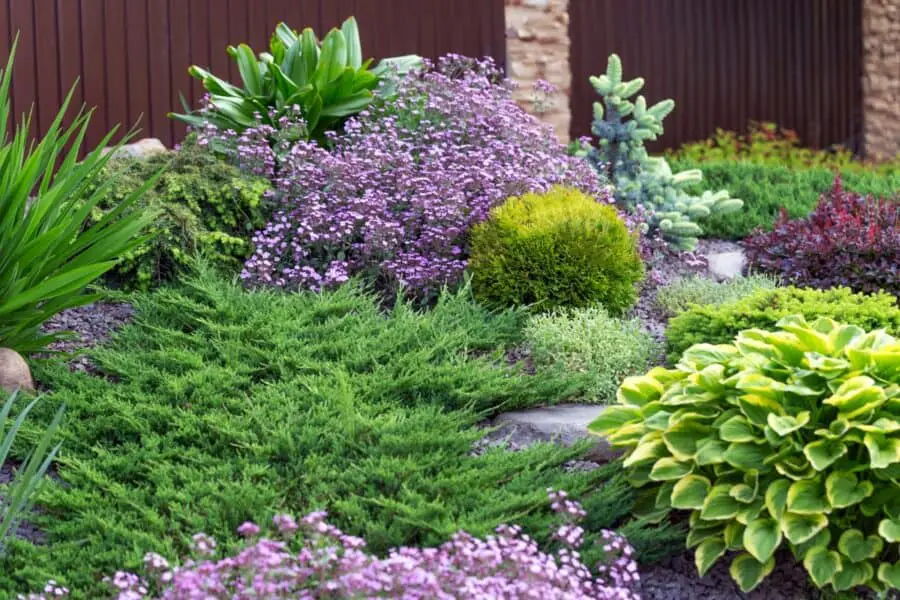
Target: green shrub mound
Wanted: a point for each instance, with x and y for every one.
(766, 189)
(219, 406)
(588, 345)
(202, 206)
(682, 294)
(762, 310)
(787, 439)
(559, 249)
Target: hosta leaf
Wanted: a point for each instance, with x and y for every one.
(758, 408)
(719, 505)
(761, 538)
(798, 528)
(889, 529)
(646, 452)
(890, 574)
(807, 498)
(759, 386)
(776, 498)
(704, 355)
(749, 572)
(746, 456)
(734, 535)
(708, 553)
(787, 424)
(614, 417)
(796, 468)
(821, 564)
(827, 366)
(668, 468)
(743, 493)
(881, 425)
(852, 575)
(843, 489)
(690, 492)
(638, 391)
(710, 452)
(626, 435)
(855, 546)
(749, 512)
(711, 378)
(883, 451)
(857, 396)
(681, 439)
(664, 495)
(822, 453)
(702, 532)
(739, 429)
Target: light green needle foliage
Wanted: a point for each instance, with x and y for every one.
(16, 498)
(782, 439)
(220, 405)
(683, 293)
(46, 259)
(592, 347)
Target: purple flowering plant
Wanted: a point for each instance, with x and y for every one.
(394, 196)
(310, 558)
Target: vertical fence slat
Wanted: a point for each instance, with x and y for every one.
(160, 44)
(47, 89)
(179, 61)
(25, 69)
(115, 48)
(94, 80)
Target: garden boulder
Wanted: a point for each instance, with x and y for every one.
(144, 148)
(14, 372)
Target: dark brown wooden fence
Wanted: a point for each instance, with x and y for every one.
(132, 55)
(725, 62)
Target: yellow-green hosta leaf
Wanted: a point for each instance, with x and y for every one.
(626, 435)
(757, 384)
(889, 529)
(746, 456)
(844, 335)
(857, 547)
(787, 424)
(799, 528)
(749, 512)
(668, 468)
(823, 453)
(836, 429)
(890, 574)
(749, 572)
(821, 539)
(887, 361)
(663, 498)
(857, 396)
(614, 417)
(739, 429)
(701, 532)
(881, 425)
(646, 452)
(734, 535)
(710, 452)
(681, 439)
(883, 451)
(852, 575)
(708, 553)
(700, 356)
(776, 498)
(690, 492)
(827, 366)
(812, 340)
(821, 564)
(807, 498)
(761, 538)
(796, 468)
(719, 505)
(659, 421)
(844, 489)
(743, 493)
(638, 391)
(711, 378)
(758, 408)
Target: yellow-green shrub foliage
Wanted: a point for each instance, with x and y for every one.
(559, 249)
(785, 438)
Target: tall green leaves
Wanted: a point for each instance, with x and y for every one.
(327, 80)
(16, 499)
(46, 259)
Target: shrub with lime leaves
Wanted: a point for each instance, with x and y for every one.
(786, 438)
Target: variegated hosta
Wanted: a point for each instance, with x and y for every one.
(788, 439)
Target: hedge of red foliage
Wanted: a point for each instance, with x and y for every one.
(848, 240)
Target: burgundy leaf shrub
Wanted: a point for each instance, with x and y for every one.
(849, 240)
(395, 195)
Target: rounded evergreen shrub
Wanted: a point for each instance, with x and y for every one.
(202, 206)
(719, 324)
(558, 249)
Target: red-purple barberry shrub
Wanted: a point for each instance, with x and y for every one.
(849, 240)
(394, 197)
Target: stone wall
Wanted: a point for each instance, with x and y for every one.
(881, 80)
(538, 48)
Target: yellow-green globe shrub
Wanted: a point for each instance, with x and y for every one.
(552, 250)
(781, 438)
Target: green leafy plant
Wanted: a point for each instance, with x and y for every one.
(763, 309)
(622, 125)
(16, 499)
(329, 81)
(766, 189)
(588, 345)
(559, 249)
(203, 207)
(46, 258)
(683, 293)
(781, 439)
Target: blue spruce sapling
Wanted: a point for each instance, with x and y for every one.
(622, 126)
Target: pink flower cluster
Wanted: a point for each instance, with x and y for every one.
(311, 559)
(394, 196)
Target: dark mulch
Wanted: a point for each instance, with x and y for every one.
(91, 325)
(24, 530)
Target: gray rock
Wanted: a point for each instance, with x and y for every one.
(14, 372)
(144, 148)
(726, 265)
(564, 424)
